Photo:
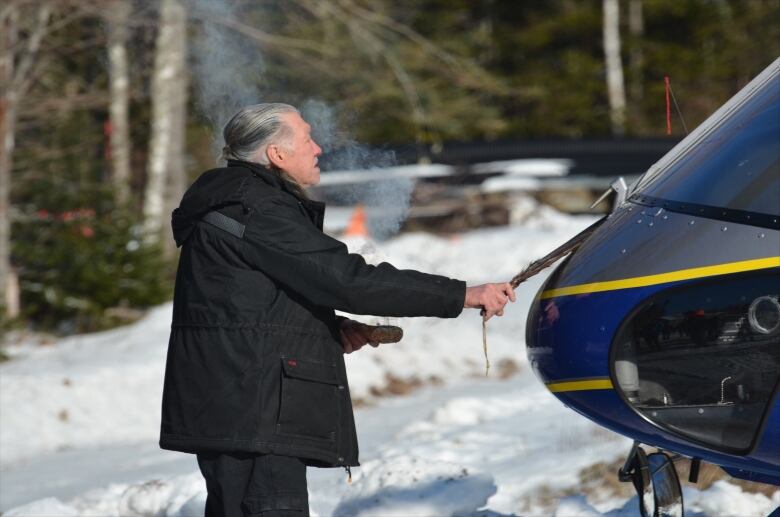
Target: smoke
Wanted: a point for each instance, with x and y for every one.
(386, 199)
(229, 73)
(392, 198)
(228, 69)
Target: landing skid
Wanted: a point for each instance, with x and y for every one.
(655, 480)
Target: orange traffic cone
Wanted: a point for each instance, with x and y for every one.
(357, 223)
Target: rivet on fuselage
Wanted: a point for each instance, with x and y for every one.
(638, 221)
(650, 223)
(724, 228)
(761, 235)
(623, 251)
(691, 223)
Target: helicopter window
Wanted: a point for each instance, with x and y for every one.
(736, 166)
(703, 360)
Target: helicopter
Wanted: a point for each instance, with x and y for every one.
(663, 321)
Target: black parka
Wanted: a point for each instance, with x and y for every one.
(254, 358)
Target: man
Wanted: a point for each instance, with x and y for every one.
(255, 381)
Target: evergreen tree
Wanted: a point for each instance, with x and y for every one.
(77, 251)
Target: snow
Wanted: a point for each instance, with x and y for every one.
(727, 499)
(534, 167)
(85, 390)
(79, 418)
(352, 176)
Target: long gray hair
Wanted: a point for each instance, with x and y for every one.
(252, 129)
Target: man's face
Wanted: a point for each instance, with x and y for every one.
(299, 154)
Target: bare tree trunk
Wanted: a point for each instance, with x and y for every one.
(177, 173)
(118, 15)
(14, 78)
(636, 27)
(7, 123)
(614, 65)
(169, 94)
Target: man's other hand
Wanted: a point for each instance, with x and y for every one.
(353, 337)
(491, 298)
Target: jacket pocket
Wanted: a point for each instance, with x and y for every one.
(309, 403)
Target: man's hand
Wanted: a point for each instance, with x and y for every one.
(491, 298)
(353, 336)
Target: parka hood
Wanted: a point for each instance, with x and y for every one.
(214, 189)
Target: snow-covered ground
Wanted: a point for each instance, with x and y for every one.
(79, 419)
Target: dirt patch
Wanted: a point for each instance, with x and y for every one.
(507, 368)
(396, 386)
(600, 481)
(597, 482)
(360, 402)
(503, 369)
(544, 500)
(709, 474)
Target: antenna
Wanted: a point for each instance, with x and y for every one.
(668, 106)
(668, 88)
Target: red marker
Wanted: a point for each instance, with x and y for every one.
(668, 107)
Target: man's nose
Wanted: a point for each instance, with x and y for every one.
(318, 149)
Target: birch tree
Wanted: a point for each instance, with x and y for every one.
(165, 169)
(118, 16)
(616, 90)
(636, 27)
(17, 59)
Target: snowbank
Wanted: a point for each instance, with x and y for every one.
(463, 444)
(105, 388)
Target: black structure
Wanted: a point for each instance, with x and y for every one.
(592, 157)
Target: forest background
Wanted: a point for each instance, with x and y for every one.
(109, 109)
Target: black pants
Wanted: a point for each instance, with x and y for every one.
(243, 485)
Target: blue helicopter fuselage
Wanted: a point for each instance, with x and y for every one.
(664, 325)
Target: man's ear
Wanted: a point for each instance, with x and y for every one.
(276, 155)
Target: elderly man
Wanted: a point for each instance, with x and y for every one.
(255, 382)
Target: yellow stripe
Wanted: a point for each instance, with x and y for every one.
(663, 278)
(587, 384)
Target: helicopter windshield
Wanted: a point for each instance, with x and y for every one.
(732, 162)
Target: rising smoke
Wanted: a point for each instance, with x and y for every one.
(386, 199)
(228, 74)
(228, 69)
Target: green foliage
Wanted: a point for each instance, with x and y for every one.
(518, 69)
(387, 85)
(74, 263)
(76, 252)
(426, 71)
